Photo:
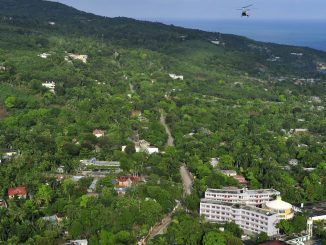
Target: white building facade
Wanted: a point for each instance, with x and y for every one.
(249, 218)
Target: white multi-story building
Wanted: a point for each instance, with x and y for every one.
(242, 196)
(249, 218)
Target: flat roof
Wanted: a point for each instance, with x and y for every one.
(236, 190)
(239, 206)
(314, 209)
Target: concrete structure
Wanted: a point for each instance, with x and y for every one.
(175, 77)
(314, 212)
(229, 173)
(249, 218)
(94, 162)
(214, 161)
(241, 196)
(92, 187)
(299, 240)
(77, 242)
(3, 203)
(143, 146)
(283, 209)
(44, 55)
(82, 57)
(98, 133)
(293, 162)
(242, 180)
(50, 86)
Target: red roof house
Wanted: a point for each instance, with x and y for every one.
(20, 192)
(127, 181)
(240, 179)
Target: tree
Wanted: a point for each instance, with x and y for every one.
(44, 195)
(130, 148)
(262, 237)
(213, 238)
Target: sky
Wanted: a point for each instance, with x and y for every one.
(203, 9)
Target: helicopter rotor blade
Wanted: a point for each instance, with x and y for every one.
(247, 6)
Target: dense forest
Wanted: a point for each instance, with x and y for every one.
(255, 106)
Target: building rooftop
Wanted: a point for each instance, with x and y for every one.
(235, 190)
(278, 204)
(19, 191)
(314, 209)
(240, 206)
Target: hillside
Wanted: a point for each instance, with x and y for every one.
(76, 86)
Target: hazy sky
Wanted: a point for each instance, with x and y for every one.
(202, 9)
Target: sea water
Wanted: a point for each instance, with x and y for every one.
(307, 33)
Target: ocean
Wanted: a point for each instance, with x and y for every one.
(310, 33)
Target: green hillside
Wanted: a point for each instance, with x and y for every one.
(239, 101)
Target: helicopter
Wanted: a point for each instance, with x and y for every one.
(245, 11)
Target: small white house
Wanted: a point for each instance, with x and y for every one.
(81, 57)
(49, 85)
(176, 77)
(44, 55)
(293, 162)
(230, 173)
(98, 133)
(214, 161)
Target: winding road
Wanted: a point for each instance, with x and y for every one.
(160, 227)
(170, 140)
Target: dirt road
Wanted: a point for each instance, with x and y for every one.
(170, 140)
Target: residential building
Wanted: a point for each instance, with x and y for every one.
(50, 86)
(214, 161)
(98, 133)
(3, 203)
(99, 164)
(241, 196)
(127, 181)
(77, 242)
(300, 130)
(175, 77)
(143, 146)
(44, 55)
(229, 173)
(82, 57)
(242, 180)
(19, 192)
(293, 162)
(249, 218)
(52, 219)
